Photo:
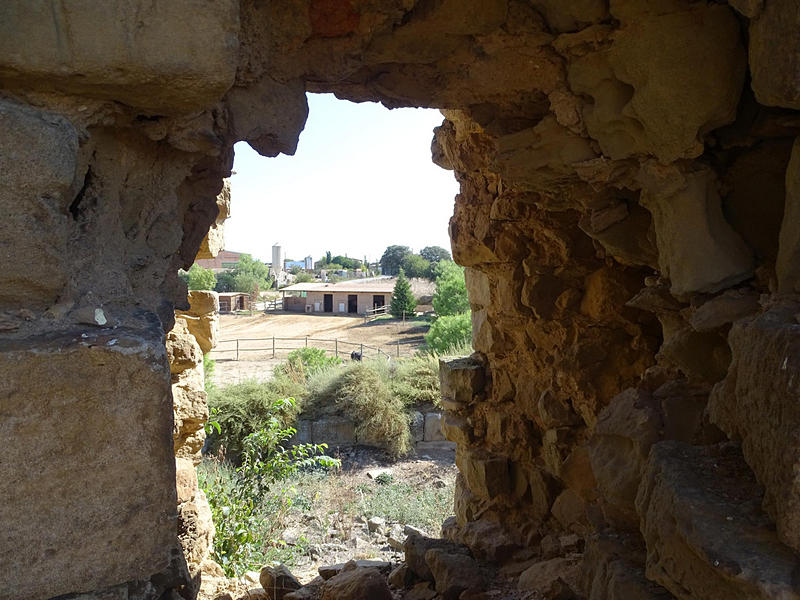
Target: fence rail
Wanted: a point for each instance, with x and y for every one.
(273, 347)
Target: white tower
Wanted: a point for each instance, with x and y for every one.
(277, 259)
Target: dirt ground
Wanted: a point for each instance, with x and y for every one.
(346, 333)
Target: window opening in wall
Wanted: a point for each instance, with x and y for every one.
(338, 247)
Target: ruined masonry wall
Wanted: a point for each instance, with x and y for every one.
(630, 182)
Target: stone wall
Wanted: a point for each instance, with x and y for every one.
(627, 216)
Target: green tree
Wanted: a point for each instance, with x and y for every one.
(347, 263)
(434, 254)
(198, 278)
(416, 266)
(450, 333)
(248, 275)
(392, 259)
(304, 278)
(451, 289)
(403, 301)
(328, 257)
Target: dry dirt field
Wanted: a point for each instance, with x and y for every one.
(255, 335)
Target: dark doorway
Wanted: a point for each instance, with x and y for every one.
(378, 300)
(327, 303)
(352, 303)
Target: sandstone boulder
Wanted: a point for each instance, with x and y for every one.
(357, 583)
(699, 508)
(757, 404)
(773, 28)
(454, 573)
(278, 581)
(416, 548)
(697, 249)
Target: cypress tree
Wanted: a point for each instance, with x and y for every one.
(403, 301)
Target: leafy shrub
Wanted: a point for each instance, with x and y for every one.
(304, 362)
(449, 332)
(450, 297)
(246, 502)
(362, 391)
(416, 380)
(198, 278)
(245, 408)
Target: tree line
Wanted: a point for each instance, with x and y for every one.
(413, 265)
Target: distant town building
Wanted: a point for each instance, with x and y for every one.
(226, 259)
(288, 265)
(309, 263)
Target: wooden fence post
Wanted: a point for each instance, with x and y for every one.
(336, 343)
(237, 349)
(362, 350)
(306, 341)
(398, 348)
(273, 346)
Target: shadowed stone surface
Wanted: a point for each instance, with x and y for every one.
(72, 505)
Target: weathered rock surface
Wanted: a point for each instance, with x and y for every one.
(453, 573)
(626, 196)
(278, 581)
(788, 271)
(757, 405)
(705, 533)
(123, 496)
(202, 318)
(357, 583)
(117, 52)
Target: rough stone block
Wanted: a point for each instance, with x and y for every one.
(214, 242)
(165, 56)
(697, 249)
(38, 159)
(787, 266)
(416, 423)
(774, 55)
(487, 476)
(202, 318)
(757, 403)
(88, 474)
(625, 431)
(456, 429)
(706, 536)
(333, 431)
(613, 569)
(433, 428)
(462, 378)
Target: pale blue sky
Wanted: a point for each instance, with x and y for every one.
(361, 180)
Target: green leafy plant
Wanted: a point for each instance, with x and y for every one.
(198, 278)
(416, 380)
(242, 499)
(451, 290)
(449, 332)
(245, 408)
(304, 362)
(362, 391)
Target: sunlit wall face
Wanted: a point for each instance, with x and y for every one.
(362, 179)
